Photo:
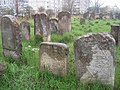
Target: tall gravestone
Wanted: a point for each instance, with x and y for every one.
(54, 57)
(64, 22)
(45, 27)
(54, 25)
(115, 32)
(37, 30)
(11, 37)
(42, 27)
(25, 28)
(94, 58)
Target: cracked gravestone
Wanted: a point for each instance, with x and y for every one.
(25, 28)
(64, 22)
(54, 57)
(94, 58)
(11, 37)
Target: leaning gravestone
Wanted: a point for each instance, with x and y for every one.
(54, 25)
(115, 32)
(94, 58)
(25, 28)
(54, 57)
(64, 22)
(11, 37)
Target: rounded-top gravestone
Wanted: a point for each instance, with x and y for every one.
(11, 37)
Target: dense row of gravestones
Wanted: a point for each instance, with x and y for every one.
(94, 53)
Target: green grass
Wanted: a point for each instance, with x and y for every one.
(24, 74)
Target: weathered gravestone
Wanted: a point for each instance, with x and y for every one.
(54, 57)
(25, 28)
(64, 22)
(54, 25)
(86, 15)
(2, 68)
(115, 32)
(101, 16)
(42, 27)
(11, 37)
(37, 30)
(94, 58)
(82, 21)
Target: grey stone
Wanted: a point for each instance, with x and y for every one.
(42, 27)
(54, 57)
(11, 37)
(94, 58)
(82, 21)
(115, 32)
(64, 22)
(54, 25)
(25, 28)
(2, 68)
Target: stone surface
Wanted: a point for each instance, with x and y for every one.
(25, 28)
(54, 25)
(2, 68)
(42, 27)
(94, 58)
(82, 21)
(115, 32)
(64, 22)
(37, 30)
(54, 57)
(11, 37)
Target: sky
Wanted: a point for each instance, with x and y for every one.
(110, 2)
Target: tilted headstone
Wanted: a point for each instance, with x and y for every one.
(64, 22)
(11, 37)
(86, 15)
(45, 27)
(54, 25)
(54, 57)
(115, 32)
(94, 58)
(25, 28)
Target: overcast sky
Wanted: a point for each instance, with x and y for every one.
(109, 2)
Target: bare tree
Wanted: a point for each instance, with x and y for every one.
(41, 9)
(68, 5)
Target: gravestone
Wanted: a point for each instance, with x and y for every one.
(86, 15)
(82, 21)
(94, 58)
(101, 16)
(11, 37)
(92, 16)
(25, 28)
(64, 22)
(115, 32)
(54, 57)
(45, 27)
(54, 25)
(2, 68)
(37, 30)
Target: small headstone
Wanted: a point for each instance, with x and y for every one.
(25, 28)
(92, 16)
(82, 21)
(2, 68)
(115, 32)
(86, 15)
(54, 57)
(94, 58)
(11, 37)
(101, 16)
(54, 25)
(64, 22)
